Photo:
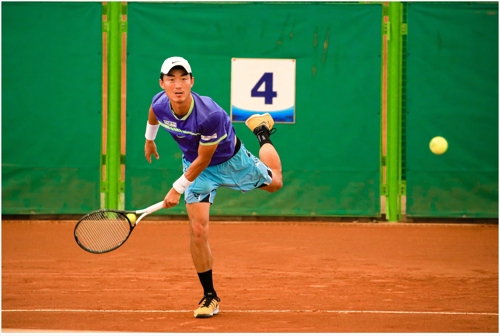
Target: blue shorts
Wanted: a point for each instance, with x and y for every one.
(243, 172)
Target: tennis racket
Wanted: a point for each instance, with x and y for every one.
(104, 230)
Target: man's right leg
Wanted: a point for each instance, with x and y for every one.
(201, 254)
(261, 125)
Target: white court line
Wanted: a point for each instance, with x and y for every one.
(245, 311)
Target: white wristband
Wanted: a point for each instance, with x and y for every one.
(181, 184)
(151, 131)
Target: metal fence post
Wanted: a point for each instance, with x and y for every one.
(393, 204)
(113, 144)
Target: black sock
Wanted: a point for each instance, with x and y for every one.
(207, 283)
(263, 135)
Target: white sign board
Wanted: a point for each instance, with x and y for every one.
(262, 85)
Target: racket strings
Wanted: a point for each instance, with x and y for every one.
(102, 231)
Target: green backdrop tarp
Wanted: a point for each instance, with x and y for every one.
(330, 156)
(452, 91)
(51, 107)
(51, 103)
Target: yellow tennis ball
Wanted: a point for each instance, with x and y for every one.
(132, 218)
(438, 145)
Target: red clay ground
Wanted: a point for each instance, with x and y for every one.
(271, 277)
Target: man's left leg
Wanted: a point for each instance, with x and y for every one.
(199, 214)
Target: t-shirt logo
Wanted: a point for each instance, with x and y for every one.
(170, 123)
(209, 137)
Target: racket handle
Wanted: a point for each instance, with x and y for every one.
(154, 207)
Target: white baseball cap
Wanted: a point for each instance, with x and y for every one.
(175, 61)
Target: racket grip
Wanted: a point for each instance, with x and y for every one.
(155, 207)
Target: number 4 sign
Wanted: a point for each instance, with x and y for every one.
(263, 86)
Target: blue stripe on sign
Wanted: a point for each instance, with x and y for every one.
(287, 115)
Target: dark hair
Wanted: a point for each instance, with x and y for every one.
(177, 67)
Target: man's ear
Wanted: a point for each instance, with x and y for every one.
(161, 84)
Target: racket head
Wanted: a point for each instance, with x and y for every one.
(103, 231)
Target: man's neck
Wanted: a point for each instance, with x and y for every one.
(182, 109)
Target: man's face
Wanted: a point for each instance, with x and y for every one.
(177, 85)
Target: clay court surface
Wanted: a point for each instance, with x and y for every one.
(271, 277)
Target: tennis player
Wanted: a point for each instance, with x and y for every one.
(213, 157)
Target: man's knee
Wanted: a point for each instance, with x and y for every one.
(199, 232)
(276, 184)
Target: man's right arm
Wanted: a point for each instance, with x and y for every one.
(151, 117)
(151, 130)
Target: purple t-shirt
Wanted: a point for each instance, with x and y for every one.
(205, 124)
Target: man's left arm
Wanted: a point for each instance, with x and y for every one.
(213, 133)
(205, 153)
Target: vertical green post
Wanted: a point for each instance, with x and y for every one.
(113, 144)
(393, 204)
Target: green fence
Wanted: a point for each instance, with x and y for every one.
(52, 123)
(330, 156)
(452, 91)
(51, 107)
